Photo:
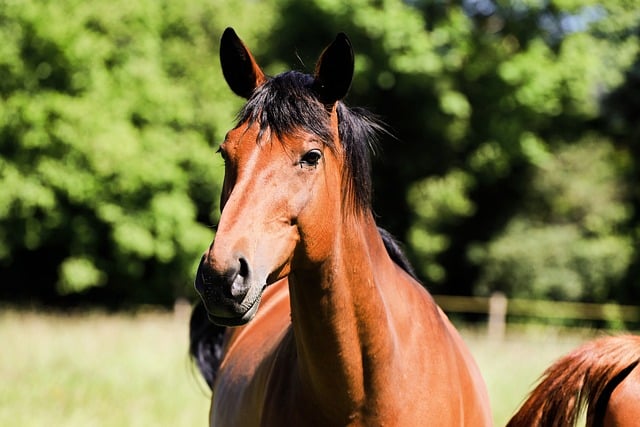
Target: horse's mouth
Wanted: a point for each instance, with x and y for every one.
(235, 320)
(227, 312)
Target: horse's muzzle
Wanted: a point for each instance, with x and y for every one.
(230, 297)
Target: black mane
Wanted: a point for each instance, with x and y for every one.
(287, 103)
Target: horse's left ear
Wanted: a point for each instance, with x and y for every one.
(334, 70)
(240, 70)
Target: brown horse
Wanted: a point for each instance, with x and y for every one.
(333, 328)
(602, 375)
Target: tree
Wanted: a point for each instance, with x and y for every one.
(481, 96)
(620, 117)
(109, 116)
(568, 240)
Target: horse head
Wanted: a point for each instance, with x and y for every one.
(284, 168)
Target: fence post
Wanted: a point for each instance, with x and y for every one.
(497, 323)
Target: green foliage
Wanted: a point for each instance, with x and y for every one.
(109, 115)
(567, 242)
(108, 119)
(480, 95)
(533, 78)
(437, 200)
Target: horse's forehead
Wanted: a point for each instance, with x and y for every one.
(284, 105)
(242, 136)
(249, 135)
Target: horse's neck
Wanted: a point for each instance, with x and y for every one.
(339, 317)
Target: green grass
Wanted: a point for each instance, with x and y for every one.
(98, 370)
(511, 367)
(132, 370)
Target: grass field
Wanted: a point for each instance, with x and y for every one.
(98, 370)
(511, 367)
(132, 369)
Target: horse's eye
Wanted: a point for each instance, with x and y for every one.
(311, 158)
(222, 153)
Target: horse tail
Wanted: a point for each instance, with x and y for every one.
(205, 343)
(586, 377)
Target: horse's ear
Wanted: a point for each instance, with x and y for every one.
(240, 70)
(334, 70)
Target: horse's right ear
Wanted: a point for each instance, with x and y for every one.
(240, 70)
(334, 70)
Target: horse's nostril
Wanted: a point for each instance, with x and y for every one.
(239, 281)
(244, 268)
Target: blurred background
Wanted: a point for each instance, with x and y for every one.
(514, 167)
